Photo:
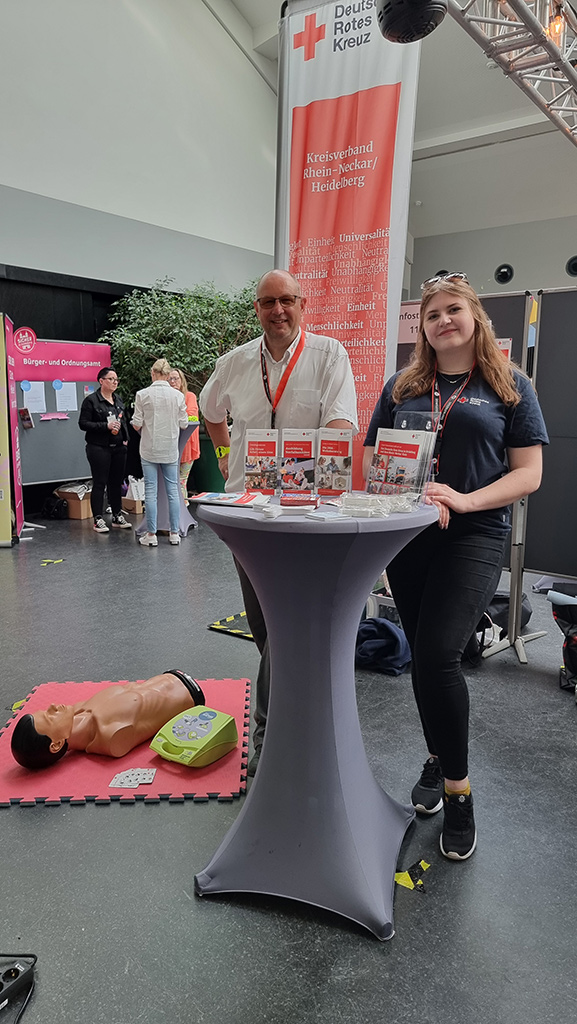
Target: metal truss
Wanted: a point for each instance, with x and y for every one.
(535, 45)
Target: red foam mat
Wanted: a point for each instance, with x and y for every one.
(79, 778)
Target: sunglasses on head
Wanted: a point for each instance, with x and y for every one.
(444, 277)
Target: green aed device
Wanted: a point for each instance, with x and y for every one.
(196, 737)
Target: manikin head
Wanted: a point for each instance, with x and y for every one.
(41, 739)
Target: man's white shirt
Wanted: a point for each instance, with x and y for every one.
(320, 389)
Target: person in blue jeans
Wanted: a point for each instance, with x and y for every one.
(159, 415)
(490, 433)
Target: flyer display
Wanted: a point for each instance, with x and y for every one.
(401, 462)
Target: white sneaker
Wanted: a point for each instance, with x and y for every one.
(100, 525)
(174, 538)
(149, 539)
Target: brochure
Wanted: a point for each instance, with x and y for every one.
(334, 460)
(298, 460)
(401, 463)
(25, 418)
(261, 461)
(239, 498)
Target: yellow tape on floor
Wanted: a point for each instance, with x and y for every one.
(412, 877)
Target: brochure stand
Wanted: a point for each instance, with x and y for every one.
(518, 531)
(514, 638)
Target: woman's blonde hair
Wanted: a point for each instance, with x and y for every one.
(183, 384)
(418, 376)
(161, 367)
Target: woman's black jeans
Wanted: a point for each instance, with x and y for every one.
(442, 583)
(107, 466)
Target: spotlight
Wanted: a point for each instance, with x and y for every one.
(571, 267)
(504, 273)
(406, 21)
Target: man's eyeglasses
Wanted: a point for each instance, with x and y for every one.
(444, 277)
(111, 380)
(286, 301)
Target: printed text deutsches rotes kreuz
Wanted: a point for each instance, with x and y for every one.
(352, 25)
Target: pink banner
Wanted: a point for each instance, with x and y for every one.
(18, 499)
(58, 360)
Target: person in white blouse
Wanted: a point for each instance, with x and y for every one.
(160, 414)
(285, 378)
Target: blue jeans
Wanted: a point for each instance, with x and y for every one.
(442, 582)
(169, 471)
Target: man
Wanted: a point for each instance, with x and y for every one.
(113, 721)
(285, 378)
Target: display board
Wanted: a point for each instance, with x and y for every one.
(550, 545)
(51, 379)
(508, 314)
(54, 451)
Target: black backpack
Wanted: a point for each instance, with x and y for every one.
(55, 508)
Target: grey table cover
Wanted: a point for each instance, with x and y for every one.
(315, 825)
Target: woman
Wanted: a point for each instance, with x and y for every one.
(191, 450)
(160, 413)
(102, 417)
(488, 454)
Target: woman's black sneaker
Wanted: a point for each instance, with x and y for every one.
(427, 795)
(459, 835)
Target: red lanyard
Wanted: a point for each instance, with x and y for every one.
(284, 379)
(440, 412)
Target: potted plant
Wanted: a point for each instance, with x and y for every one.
(191, 328)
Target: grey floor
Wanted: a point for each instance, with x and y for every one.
(104, 894)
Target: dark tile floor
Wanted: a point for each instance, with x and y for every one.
(104, 895)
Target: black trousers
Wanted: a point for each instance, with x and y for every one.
(442, 582)
(107, 466)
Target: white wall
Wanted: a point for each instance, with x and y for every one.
(144, 110)
(537, 251)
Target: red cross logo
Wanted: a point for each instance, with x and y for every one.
(312, 35)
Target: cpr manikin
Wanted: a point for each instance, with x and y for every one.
(113, 721)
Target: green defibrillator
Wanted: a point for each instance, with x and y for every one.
(196, 737)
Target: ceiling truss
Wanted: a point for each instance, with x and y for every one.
(535, 45)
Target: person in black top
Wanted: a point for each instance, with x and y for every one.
(490, 433)
(102, 417)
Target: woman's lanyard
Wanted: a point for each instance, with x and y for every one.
(441, 412)
(284, 379)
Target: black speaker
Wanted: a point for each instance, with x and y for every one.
(504, 273)
(406, 21)
(571, 267)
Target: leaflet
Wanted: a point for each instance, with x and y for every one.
(298, 460)
(334, 460)
(237, 498)
(261, 461)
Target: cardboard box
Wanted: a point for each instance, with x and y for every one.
(77, 508)
(130, 505)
